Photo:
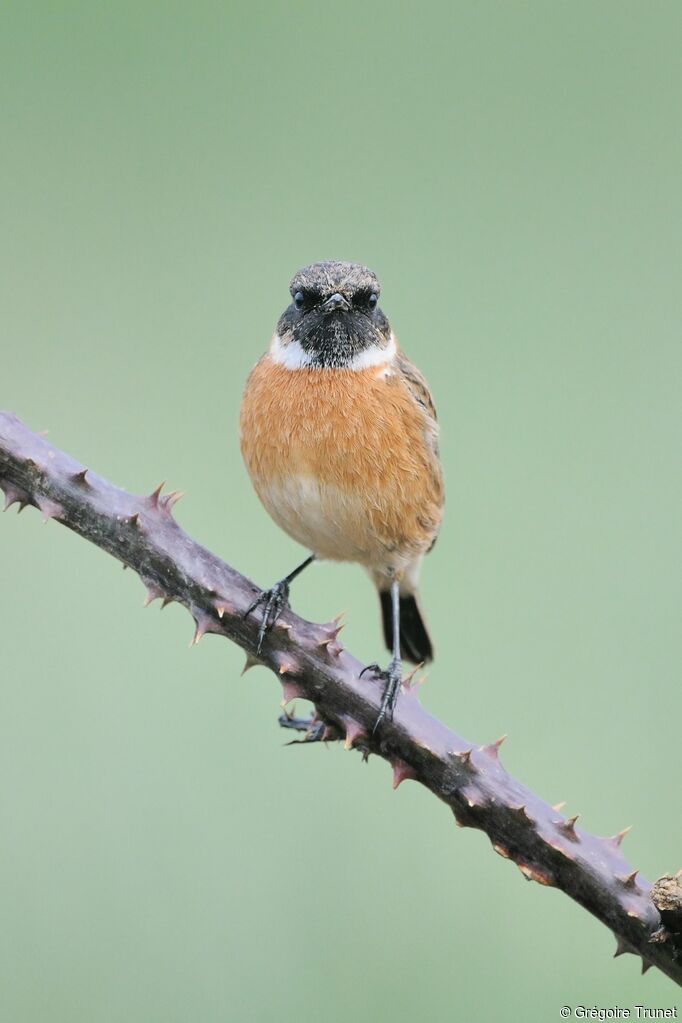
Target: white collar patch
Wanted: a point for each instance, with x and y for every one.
(292, 356)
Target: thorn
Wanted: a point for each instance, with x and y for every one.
(533, 874)
(49, 509)
(460, 819)
(197, 637)
(568, 827)
(15, 495)
(153, 498)
(646, 965)
(413, 690)
(559, 806)
(329, 645)
(402, 772)
(153, 593)
(134, 520)
(522, 812)
(493, 749)
(329, 638)
(80, 478)
(469, 793)
(617, 839)
(290, 692)
(280, 625)
(250, 662)
(288, 667)
(204, 623)
(629, 880)
(166, 601)
(407, 681)
(501, 850)
(354, 731)
(170, 499)
(621, 947)
(333, 628)
(464, 755)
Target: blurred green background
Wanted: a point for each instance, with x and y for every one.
(512, 173)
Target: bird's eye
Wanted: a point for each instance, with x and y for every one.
(365, 300)
(299, 299)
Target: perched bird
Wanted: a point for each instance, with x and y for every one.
(340, 439)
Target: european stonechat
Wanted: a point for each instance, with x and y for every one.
(339, 436)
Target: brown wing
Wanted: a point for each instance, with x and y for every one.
(419, 390)
(417, 384)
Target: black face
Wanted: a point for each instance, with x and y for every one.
(334, 315)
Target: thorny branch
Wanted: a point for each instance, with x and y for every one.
(311, 664)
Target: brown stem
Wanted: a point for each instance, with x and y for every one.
(311, 664)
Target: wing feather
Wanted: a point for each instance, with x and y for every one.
(417, 384)
(418, 388)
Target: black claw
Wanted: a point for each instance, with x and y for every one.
(374, 668)
(275, 600)
(392, 676)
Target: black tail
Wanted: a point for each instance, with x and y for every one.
(415, 644)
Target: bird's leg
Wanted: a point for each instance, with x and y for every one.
(393, 674)
(275, 600)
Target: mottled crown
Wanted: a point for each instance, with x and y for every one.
(332, 276)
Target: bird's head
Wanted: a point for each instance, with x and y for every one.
(334, 320)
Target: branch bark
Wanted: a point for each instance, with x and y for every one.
(311, 664)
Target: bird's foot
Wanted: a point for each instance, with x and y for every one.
(392, 676)
(274, 601)
(314, 728)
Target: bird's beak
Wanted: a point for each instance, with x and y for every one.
(336, 301)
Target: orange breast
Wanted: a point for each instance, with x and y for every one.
(343, 461)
